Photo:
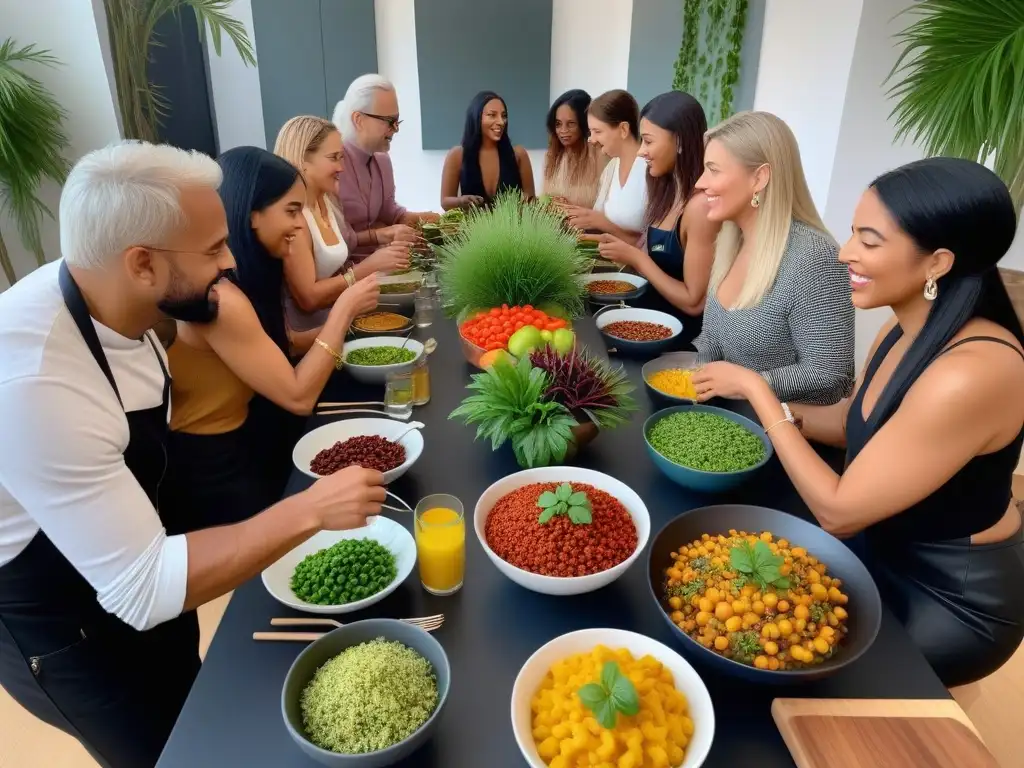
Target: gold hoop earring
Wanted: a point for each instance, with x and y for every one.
(755, 201)
(931, 289)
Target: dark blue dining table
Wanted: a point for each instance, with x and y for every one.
(233, 714)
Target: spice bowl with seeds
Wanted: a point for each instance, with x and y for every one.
(705, 448)
(668, 378)
(381, 323)
(367, 694)
(561, 530)
(610, 288)
(638, 332)
(366, 442)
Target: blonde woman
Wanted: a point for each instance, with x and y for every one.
(779, 300)
(318, 268)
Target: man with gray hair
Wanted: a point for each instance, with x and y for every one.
(98, 631)
(368, 120)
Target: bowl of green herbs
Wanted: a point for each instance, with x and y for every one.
(372, 358)
(329, 713)
(706, 448)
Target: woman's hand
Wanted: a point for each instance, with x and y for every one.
(346, 498)
(392, 258)
(728, 380)
(429, 217)
(361, 297)
(613, 249)
(583, 218)
(470, 201)
(397, 233)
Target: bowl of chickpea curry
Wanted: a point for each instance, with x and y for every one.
(762, 594)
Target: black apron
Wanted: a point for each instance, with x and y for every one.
(62, 656)
(666, 251)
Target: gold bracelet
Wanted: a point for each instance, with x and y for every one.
(788, 420)
(338, 359)
(350, 277)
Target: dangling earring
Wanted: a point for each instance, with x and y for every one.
(931, 289)
(755, 201)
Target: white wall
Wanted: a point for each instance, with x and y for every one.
(235, 89)
(68, 29)
(806, 52)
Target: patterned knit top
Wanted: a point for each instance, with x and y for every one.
(800, 336)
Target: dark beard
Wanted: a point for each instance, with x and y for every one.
(190, 307)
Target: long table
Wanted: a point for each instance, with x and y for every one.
(233, 715)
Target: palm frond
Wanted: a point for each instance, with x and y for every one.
(32, 142)
(132, 27)
(959, 83)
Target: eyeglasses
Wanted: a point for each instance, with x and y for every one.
(393, 122)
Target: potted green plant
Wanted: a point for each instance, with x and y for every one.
(548, 405)
(32, 144)
(131, 24)
(959, 83)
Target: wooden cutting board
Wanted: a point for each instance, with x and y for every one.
(879, 733)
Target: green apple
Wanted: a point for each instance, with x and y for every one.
(563, 340)
(524, 341)
(547, 336)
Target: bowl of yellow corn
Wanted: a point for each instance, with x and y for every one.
(609, 697)
(668, 378)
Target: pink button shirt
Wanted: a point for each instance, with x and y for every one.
(366, 189)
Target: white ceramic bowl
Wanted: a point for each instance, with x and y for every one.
(687, 682)
(376, 374)
(278, 577)
(639, 286)
(563, 585)
(323, 437)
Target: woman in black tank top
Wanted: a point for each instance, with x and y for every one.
(935, 429)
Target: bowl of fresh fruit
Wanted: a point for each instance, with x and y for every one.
(487, 335)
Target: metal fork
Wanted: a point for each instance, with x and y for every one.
(426, 623)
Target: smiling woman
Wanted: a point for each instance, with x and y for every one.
(572, 166)
(217, 366)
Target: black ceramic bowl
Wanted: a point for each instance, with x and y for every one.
(864, 608)
(330, 645)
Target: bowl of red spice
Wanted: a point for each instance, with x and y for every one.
(369, 443)
(603, 288)
(561, 530)
(635, 331)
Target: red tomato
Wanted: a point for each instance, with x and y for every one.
(495, 312)
(557, 323)
(517, 325)
(528, 307)
(504, 307)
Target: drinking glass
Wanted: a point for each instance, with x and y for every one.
(441, 543)
(398, 394)
(423, 302)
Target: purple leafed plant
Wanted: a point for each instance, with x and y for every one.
(583, 382)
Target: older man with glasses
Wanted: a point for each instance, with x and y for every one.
(368, 120)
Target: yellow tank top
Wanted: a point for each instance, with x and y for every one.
(207, 398)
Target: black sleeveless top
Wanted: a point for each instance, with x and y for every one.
(971, 501)
(666, 251)
(471, 179)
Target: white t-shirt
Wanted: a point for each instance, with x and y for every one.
(62, 466)
(624, 205)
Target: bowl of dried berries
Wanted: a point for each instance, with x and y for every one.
(638, 332)
(561, 530)
(370, 443)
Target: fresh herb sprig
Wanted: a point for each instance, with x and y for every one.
(614, 694)
(564, 501)
(758, 565)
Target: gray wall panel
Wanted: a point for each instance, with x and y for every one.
(466, 46)
(654, 40)
(291, 61)
(349, 45)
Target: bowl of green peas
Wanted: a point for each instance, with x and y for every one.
(343, 571)
(706, 448)
(372, 358)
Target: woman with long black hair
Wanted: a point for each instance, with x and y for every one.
(221, 460)
(572, 165)
(934, 429)
(678, 242)
(486, 162)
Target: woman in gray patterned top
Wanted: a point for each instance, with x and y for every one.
(779, 300)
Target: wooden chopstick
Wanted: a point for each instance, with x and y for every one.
(303, 637)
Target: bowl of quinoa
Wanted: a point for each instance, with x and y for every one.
(367, 694)
(561, 556)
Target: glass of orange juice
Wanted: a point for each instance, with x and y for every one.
(441, 543)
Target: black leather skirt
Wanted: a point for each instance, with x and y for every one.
(962, 603)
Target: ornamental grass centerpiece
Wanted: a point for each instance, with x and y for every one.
(548, 404)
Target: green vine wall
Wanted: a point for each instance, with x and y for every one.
(708, 65)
